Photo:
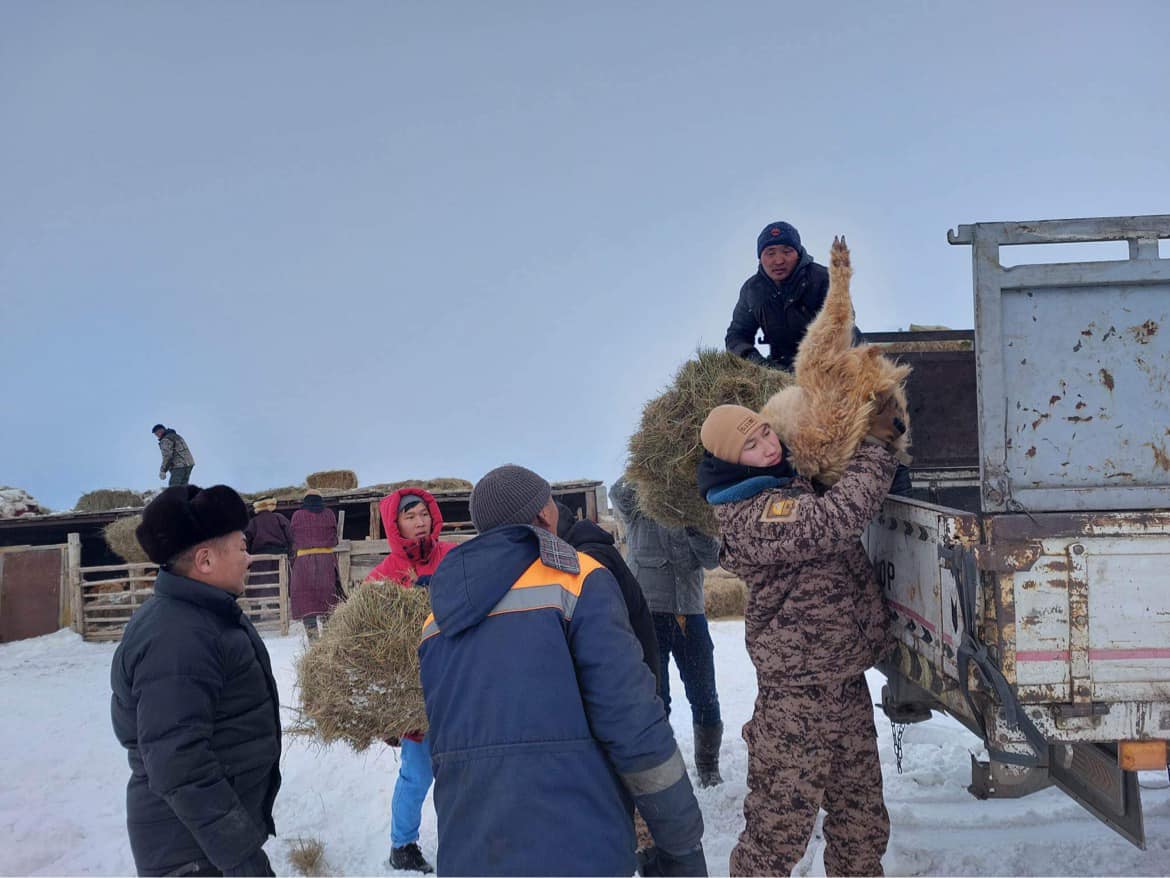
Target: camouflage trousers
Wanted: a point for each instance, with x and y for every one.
(812, 747)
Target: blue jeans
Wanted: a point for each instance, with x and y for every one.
(694, 653)
(410, 791)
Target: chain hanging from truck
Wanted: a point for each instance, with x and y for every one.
(897, 730)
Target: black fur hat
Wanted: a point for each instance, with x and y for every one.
(182, 516)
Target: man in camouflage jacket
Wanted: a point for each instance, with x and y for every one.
(815, 621)
(176, 456)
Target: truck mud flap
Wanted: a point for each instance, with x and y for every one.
(1090, 774)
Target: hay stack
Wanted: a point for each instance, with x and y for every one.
(359, 681)
(107, 499)
(665, 451)
(120, 538)
(288, 492)
(435, 486)
(723, 595)
(332, 480)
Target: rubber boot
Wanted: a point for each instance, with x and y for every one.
(707, 742)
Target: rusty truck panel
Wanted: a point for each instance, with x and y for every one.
(1073, 364)
(1034, 606)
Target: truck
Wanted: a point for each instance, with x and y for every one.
(1028, 573)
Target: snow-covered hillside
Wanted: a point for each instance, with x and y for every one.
(64, 775)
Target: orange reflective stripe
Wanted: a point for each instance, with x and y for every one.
(549, 581)
(539, 574)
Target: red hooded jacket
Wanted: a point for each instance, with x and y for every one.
(410, 559)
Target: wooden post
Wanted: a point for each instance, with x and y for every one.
(73, 566)
(343, 564)
(375, 521)
(282, 582)
(340, 524)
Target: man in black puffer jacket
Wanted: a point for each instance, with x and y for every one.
(194, 700)
(781, 299)
(596, 542)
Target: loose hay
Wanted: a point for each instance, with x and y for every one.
(435, 486)
(119, 536)
(359, 681)
(107, 499)
(333, 480)
(307, 856)
(288, 492)
(665, 451)
(723, 595)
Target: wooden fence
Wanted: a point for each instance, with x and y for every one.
(105, 597)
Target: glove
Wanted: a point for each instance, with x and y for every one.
(752, 355)
(393, 742)
(162, 474)
(887, 424)
(257, 864)
(654, 861)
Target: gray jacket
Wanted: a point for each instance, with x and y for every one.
(175, 453)
(667, 561)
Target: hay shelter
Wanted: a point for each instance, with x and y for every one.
(120, 537)
(359, 682)
(665, 451)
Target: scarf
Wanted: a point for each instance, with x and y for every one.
(722, 482)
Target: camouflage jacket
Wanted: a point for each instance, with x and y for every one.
(175, 453)
(815, 612)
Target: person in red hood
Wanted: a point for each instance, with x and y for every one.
(412, 522)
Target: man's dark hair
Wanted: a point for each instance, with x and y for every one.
(156, 428)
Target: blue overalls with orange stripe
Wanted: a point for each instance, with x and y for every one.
(544, 725)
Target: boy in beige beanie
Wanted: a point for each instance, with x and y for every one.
(815, 621)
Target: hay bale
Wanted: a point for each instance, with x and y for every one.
(723, 595)
(119, 535)
(665, 451)
(359, 681)
(109, 498)
(333, 480)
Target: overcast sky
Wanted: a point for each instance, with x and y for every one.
(423, 239)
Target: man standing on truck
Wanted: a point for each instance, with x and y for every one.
(781, 299)
(176, 456)
(815, 622)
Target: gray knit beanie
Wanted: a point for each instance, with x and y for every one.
(508, 494)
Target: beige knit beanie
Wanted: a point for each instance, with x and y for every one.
(726, 430)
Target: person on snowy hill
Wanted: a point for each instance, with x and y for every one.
(780, 299)
(544, 727)
(176, 456)
(815, 621)
(194, 700)
(412, 521)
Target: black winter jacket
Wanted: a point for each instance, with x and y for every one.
(599, 544)
(782, 311)
(196, 707)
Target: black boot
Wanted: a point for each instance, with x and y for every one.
(410, 858)
(707, 741)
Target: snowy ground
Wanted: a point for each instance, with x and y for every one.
(63, 780)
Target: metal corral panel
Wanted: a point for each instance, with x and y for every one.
(1073, 364)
